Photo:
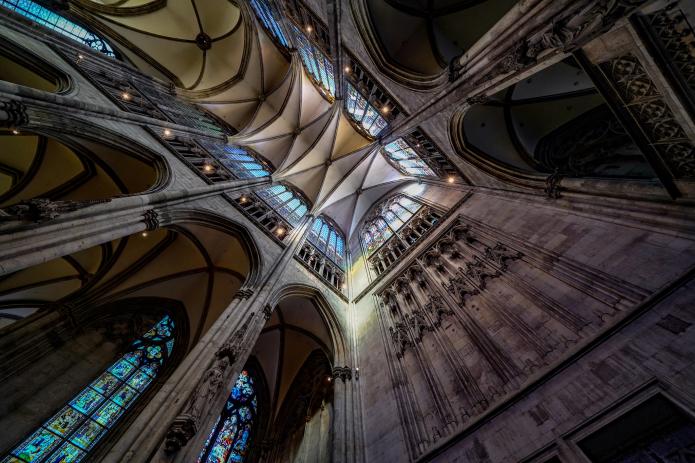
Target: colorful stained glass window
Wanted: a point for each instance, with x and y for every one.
(315, 62)
(268, 15)
(406, 159)
(386, 220)
(69, 435)
(230, 437)
(58, 23)
(328, 239)
(362, 112)
(285, 202)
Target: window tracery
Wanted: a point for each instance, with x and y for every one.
(241, 162)
(362, 112)
(229, 439)
(406, 159)
(285, 202)
(75, 430)
(58, 23)
(317, 64)
(388, 218)
(329, 240)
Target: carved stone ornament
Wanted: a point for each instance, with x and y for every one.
(500, 254)
(180, 432)
(400, 338)
(267, 312)
(13, 114)
(39, 210)
(552, 185)
(344, 373)
(151, 219)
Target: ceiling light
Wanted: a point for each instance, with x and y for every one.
(15, 132)
(280, 231)
(167, 132)
(144, 234)
(126, 96)
(451, 179)
(385, 109)
(309, 29)
(242, 199)
(207, 168)
(347, 69)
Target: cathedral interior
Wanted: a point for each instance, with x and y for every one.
(347, 231)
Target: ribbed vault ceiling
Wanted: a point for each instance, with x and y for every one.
(264, 93)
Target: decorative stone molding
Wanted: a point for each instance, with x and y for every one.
(40, 210)
(267, 312)
(151, 219)
(564, 34)
(649, 109)
(344, 373)
(13, 114)
(552, 185)
(185, 425)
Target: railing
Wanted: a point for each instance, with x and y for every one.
(263, 215)
(322, 266)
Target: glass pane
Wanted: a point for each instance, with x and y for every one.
(66, 421)
(38, 445)
(106, 383)
(108, 414)
(87, 401)
(88, 435)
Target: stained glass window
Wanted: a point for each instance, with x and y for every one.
(240, 161)
(328, 239)
(386, 220)
(285, 202)
(228, 440)
(363, 113)
(70, 434)
(407, 160)
(315, 62)
(269, 17)
(58, 23)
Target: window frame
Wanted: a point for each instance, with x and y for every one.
(377, 215)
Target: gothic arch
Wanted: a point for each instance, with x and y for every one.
(551, 125)
(20, 66)
(338, 338)
(78, 162)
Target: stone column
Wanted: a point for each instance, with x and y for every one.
(341, 414)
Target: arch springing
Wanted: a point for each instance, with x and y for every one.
(404, 157)
(58, 23)
(73, 432)
(362, 112)
(230, 437)
(285, 202)
(328, 239)
(386, 220)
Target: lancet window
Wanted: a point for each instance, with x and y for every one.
(73, 432)
(58, 23)
(317, 64)
(362, 112)
(388, 218)
(406, 159)
(230, 437)
(268, 15)
(328, 239)
(285, 202)
(241, 162)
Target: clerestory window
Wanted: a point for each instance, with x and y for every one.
(58, 23)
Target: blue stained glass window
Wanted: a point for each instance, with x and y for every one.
(239, 161)
(286, 202)
(230, 437)
(362, 112)
(406, 159)
(69, 435)
(328, 239)
(269, 17)
(387, 219)
(58, 23)
(315, 62)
